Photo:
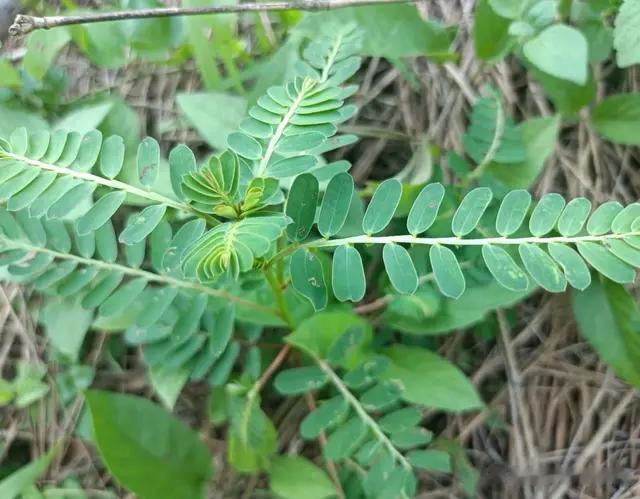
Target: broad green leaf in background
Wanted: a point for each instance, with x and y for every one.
(382, 206)
(168, 383)
(17, 484)
(12, 118)
(490, 32)
(511, 9)
(431, 380)
(9, 77)
(617, 118)
(307, 277)
(348, 279)
(66, 323)
(608, 317)
(560, 51)
(626, 34)
(86, 118)
(138, 440)
(293, 477)
(213, 114)
(42, 47)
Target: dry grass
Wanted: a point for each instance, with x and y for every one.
(558, 423)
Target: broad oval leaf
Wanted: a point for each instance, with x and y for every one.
(542, 268)
(470, 211)
(512, 212)
(504, 269)
(347, 277)
(335, 204)
(425, 208)
(400, 269)
(100, 212)
(138, 440)
(307, 277)
(574, 216)
(545, 214)
(301, 206)
(148, 161)
(606, 263)
(575, 270)
(141, 224)
(382, 206)
(447, 272)
(601, 219)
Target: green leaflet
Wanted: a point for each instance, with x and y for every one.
(335, 204)
(181, 161)
(626, 38)
(148, 161)
(140, 225)
(214, 183)
(345, 440)
(123, 297)
(245, 146)
(504, 269)
(325, 417)
(470, 211)
(100, 212)
(573, 266)
(348, 279)
(307, 277)
(512, 212)
(616, 118)
(303, 142)
(542, 268)
(425, 208)
(574, 216)
(88, 152)
(300, 380)
(382, 206)
(293, 477)
(112, 156)
(447, 272)
(601, 219)
(606, 263)
(545, 214)
(624, 251)
(301, 206)
(400, 269)
(623, 221)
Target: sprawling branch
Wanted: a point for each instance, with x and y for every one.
(25, 24)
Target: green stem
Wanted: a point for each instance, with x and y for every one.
(276, 287)
(362, 414)
(149, 276)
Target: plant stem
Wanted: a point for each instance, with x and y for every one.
(362, 414)
(25, 24)
(149, 276)
(276, 287)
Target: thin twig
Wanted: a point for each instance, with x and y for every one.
(25, 24)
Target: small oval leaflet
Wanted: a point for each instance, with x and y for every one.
(303, 142)
(382, 206)
(573, 266)
(601, 219)
(112, 156)
(300, 380)
(244, 145)
(307, 277)
(574, 216)
(545, 214)
(542, 268)
(301, 206)
(335, 204)
(624, 251)
(470, 211)
(425, 208)
(148, 161)
(89, 151)
(123, 297)
(181, 162)
(512, 212)
(606, 263)
(325, 417)
(100, 212)
(505, 270)
(623, 220)
(447, 272)
(290, 167)
(347, 278)
(140, 225)
(400, 269)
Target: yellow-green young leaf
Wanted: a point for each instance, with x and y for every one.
(425, 208)
(300, 380)
(307, 277)
(623, 221)
(141, 224)
(382, 206)
(301, 206)
(574, 216)
(181, 162)
(245, 146)
(542, 268)
(293, 477)
(335, 204)
(559, 51)
(470, 211)
(137, 439)
(626, 35)
(345, 440)
(100, 212)
(112, 156)
(573, 266)
(617, 118)
(18, 483)
(504, 269)
(606, 263)
(430, 460)
(512, 212)
(42, 48)
(148, 161)
(399, 267)
(545, 214)
(601, 219)
(347, 277)
(326, 416)
(214, 183)
(447, 271)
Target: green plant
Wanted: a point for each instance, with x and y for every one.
(268, 239)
